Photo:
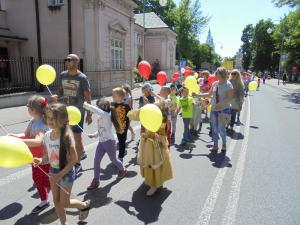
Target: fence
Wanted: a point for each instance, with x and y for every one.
(17, 74)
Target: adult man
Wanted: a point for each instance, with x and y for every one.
(74, 87)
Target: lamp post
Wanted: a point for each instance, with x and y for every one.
(219, 43)
(269, 31)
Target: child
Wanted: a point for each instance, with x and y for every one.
(196, 119)
(164, 95)
(153, 155)
(128, 99)
(186, 103)
(258, 81)
(146, 98)
(107, 116)
(122, 109)
(175, 102)
(37, 129)
(60, 151)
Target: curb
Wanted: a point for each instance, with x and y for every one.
(294, 95)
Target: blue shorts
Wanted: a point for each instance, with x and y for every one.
(75, 128)
(69, 177)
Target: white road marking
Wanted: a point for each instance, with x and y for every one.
(232, 204)
(209, 205)
(25, 172)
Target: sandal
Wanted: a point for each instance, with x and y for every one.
(223, 149)
(82, 217)
(151, 191)
(213, 149)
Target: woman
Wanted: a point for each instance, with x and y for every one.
(204, 88)
(222, 92)
(246, 82)
(238, 95)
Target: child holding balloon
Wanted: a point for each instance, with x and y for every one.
(33, 137)
(153, 155)
(107, 116)
(62, 156)
(186, 103)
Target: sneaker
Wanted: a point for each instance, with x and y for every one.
(125, 152)
(121, 160)
(121, 174)
(38, 209)
(183, 141)
(195, 133)
(78, 168)
(133, 136)
(83, 155)
(95, 183)
(173, 136)
(188, 137)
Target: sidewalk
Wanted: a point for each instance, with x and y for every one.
(292, 89)
(19, 114)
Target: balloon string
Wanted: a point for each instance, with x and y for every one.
(3, 128)
(82, 130)
(49, 177)
(49, 90)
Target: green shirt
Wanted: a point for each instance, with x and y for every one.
(186, 105)
(175, 102)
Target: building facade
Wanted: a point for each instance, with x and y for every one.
(103, 33)
(210, 40)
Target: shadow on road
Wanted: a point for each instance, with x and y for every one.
(145, 209)
(292, 99)
(215, 157)
(10, 211)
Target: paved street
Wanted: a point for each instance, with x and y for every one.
(255, 182)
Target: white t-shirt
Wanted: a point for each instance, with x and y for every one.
(53, 149)
(197, 103)
(104, 124)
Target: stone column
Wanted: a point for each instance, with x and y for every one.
(101, 40)
(89, 34)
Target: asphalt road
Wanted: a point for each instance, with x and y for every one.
(256, 182)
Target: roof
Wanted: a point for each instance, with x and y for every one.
(151, 20)
(13, 38)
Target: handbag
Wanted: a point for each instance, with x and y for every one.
(222, 117)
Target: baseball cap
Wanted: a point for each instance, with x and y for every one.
(173, 86)
(147, 86)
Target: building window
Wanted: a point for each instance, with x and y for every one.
(55, 4)
(116, 47)
(0, 5)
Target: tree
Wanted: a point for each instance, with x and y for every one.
(165, 13)
(290, 3)
(262, 46)
(189, 23)
(246, 38)
(202, 53)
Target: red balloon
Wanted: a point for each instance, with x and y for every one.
(176, 75)
(187, 68)
(186, 73)
(200, 71)
(173, 79)
(212, 79)
(144, 69)
(161, 78)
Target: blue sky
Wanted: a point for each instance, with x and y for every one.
(230, 17)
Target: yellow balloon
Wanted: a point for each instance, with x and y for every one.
(256, 78)
(74, 115)
(45, 74)
(14, 152)
(151, 117)
(196, 75)
(196, 88)
(190, 82)
(209, 108)
(252, 85)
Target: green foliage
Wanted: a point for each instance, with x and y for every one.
(155, 70)
(246, 38)
(290, 3)
(139, 60)
(202, 53)
(136, 75)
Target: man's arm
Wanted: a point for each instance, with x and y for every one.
(87, 96)
(59, 94)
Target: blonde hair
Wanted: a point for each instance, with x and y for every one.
(167, 89)
(205, 72)
(119, 91)
(223, 72)
(240, 83)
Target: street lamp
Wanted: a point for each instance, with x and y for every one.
(220, 43)
(269, 31)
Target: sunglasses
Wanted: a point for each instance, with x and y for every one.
(70, 60)
(233, 73)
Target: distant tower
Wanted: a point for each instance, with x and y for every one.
(210, 40)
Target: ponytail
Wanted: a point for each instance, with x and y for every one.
(64, 146)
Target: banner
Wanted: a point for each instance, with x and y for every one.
(182, 64)
(228, 65)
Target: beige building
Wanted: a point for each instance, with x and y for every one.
(106, 34)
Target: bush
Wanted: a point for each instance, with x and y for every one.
(137, 76)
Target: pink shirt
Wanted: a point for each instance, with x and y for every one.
(204, 86)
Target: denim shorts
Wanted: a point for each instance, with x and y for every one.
(69, 177)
